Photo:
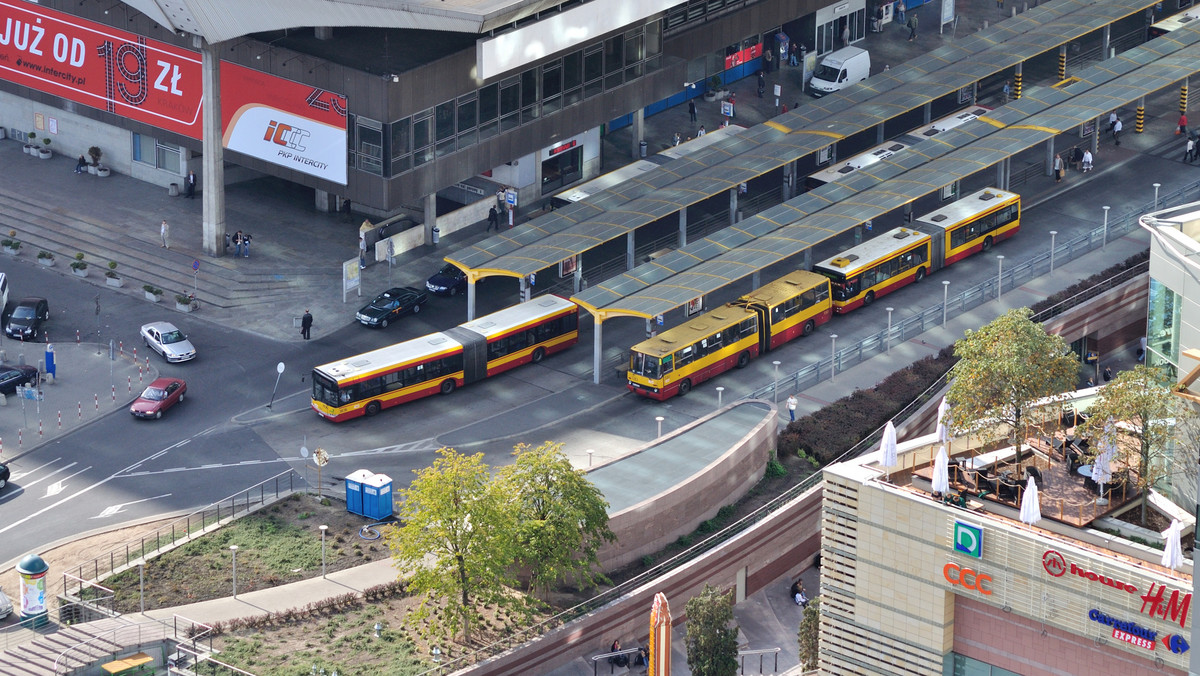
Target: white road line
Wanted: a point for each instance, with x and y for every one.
(37, 481)
(58, 487)
(21, 475)
(117, 509)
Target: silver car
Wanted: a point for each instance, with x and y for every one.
(165, 339)
(6, 606)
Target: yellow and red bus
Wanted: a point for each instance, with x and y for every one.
(680, 358)
(875, 268)
(970, 225)
(441, 362)
(793, 305)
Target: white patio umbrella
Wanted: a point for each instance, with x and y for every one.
(941, 472)
(888, 446)
(943, 430)
(1101, 466)
(1031, 512)
(1172, 550)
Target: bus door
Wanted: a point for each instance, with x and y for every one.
(764, 327)
(474, 348)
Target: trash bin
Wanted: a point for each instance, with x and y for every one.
(173, 191)
(642, 149)
(437, 235)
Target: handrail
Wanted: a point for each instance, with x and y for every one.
(761, 652)
(59, 663)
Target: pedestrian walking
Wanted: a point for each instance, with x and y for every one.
(1112, 120)
(1006, 90)
(1076, 158)
(846, 35)
(245, 245)
(1189, 150)
(493, 219)
(677, 139)
(237, 243)
(1087, 161)
(80, 165)
(362, 250)
(793, 55)
(1058, 168)
(762, 84)
(912, 27)
(768, 58)
(701, 132)
(1117, 131)
(692, 110)
(791, 406)
(306, 324)
(191, 184)
(900, 11)
(1182, 124)
(1107, 373)
(1195, 146)
(165, 232)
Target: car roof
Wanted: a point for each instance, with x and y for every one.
(397, 291)
(164, 381)
(31, 300)
(161, 327)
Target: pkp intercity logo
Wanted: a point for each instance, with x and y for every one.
(968, 539)
(286, 135)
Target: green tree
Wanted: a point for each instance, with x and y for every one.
(809, 634)
(1141, 397)
(456, 544)
(1005, 367)
(561, 518)
(711, 634)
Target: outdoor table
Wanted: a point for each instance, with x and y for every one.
(127, 663)
(992, 458)
(1085, 470)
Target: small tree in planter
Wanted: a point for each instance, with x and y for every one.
(183, 302)
(153, 293)
(46, 258)
(113, 278)
(45, 153)
(31, 143)
(94, 152)
(11, 244)
(78, 266)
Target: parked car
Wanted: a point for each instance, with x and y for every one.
(28, 320)
(12, 377)
(161, 395)
(165, 339)
(391, 305)
(449, 280)
(4, 474)
(6, 606)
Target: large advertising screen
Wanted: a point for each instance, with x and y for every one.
(276, 120)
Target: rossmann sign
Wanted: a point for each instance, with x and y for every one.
(1156, 603)
(160, 85)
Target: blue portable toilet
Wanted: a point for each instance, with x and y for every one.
(377, 497)
(354, 491)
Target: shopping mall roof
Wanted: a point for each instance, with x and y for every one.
(789, 229)
(548, 240)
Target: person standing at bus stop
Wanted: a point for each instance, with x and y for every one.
(791, 406)
(306, 324)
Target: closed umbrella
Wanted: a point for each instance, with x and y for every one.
(1031, 512)
(888, 446)
(941, 472)
(943, 430)
(1101, 469)
(1172, 550)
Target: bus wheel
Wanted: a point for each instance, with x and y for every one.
(538, 355)
(869, 298)
(447, 386)
(372, 408)
(809, 327)
(987, 242)
(920, 273)
(743, 359)
(685, 386)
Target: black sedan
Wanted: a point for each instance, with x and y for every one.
(28, 320)
(4, 474)
(12, 377)
(449, 280)
(391, 305)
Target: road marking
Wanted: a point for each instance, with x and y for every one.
(58, 486)
(116, 509)
(38, 481)
(21, 475)
(422, 446)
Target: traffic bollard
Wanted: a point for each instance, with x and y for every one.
(81, 410)
(97, 401)
(114, 389)
(60, 421)
(76, 336)
(130, 379)
(19, 435)
(139, 374)
(121, 346)
(40, 432)
(135, 352)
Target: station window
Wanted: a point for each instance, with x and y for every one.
(153, 152)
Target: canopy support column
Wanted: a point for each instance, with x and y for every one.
(597, 347)
(629, 261)
(1105, 41)
(683, 227)
(470, 298)
(733, 204)
(1050, 156)
(212, 197)
(639, 133)
(578, 274)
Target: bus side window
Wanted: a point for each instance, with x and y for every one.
(823, 293)
(687, 354)
(867, 279)
(667, 365)
(776, 314)
(497, 348)
(393, 381)
(748, 327)
(808, 298)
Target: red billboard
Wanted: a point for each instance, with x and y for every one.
(160, 84)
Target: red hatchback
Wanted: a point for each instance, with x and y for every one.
(161, 395)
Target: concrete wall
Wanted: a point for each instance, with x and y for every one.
(1114, 319)
(654, 523)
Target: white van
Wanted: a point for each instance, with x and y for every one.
(839, 70)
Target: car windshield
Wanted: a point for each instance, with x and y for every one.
(385, 304)
(827, 73)
(23, 312)
(450, 270)
(154, 394)
(173, 337)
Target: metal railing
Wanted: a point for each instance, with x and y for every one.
(185, 528)
(179, 629)
(762, 654)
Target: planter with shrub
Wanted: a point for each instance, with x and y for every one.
(153, 293)
(112, 279)
(78, 266)
(11, 244)
(183, 302)
(46, 258)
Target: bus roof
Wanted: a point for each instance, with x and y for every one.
(877, 154)
(788, 286)
(389, 357)
(850, 260)
(693, 330)
(967, 207)
(710, 137)
(512, 317)
(1177, 20)
(949, 122)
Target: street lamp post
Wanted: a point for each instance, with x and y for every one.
(832, 357)
(659, 418)
(142, 585)
(590, 452)
(945, 298)
(323, 529)
(1104, 240)
(1053, 235)
(233, 548)
(775, 390)
(720, 391)
(889, 330)
(999, 275)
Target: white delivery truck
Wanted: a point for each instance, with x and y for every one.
(839, 70)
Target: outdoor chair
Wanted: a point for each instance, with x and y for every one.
(1034, 472)
(1007, 490)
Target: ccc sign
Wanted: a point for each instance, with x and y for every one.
(967, 578)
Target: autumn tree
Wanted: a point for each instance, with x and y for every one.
(711, 634)
(561, 518)
(1142, 398)
(809, 635)
(456, 544)
(1005, 367)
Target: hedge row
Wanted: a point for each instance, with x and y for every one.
(1085, 284)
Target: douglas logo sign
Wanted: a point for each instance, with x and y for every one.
(968, 539)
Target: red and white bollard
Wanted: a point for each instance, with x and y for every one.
(147, 362)
(97, 401)
(40, 433)
(114, 389)
(135, 352)
(130, 379)
(60, 421)
(76, 336)
(81, 410)
(121, 346)
(19, 442)
(139, 373)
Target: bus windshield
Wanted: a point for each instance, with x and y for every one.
(844, 289)
(324, 390)
(649, 367)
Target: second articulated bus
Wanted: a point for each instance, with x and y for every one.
(730, 336)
